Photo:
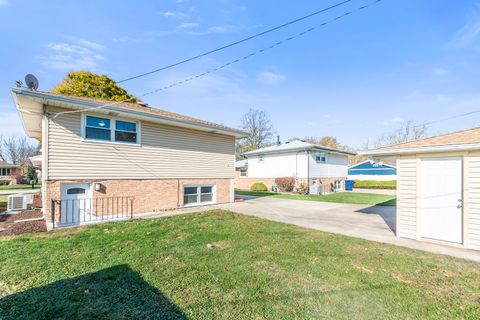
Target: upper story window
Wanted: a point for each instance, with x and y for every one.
(320, 157)
(106, 129)
(97, 128)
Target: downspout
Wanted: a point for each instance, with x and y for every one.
(45, 173)
(308, 169)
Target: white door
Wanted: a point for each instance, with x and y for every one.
(76, 203)
(441, 199)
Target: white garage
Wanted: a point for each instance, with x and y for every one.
(438, 188)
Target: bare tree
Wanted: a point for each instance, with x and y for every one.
(16, 150)
(259, 128)
(407, 132)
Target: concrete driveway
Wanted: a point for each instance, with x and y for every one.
(376, 223)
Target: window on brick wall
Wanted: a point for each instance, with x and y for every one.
(198, 195)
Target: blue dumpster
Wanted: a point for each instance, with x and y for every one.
(349, 185)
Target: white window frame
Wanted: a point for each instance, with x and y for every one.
(319, 157)
(199, 186)
(5, 172)
(337, 185)
(113, 121)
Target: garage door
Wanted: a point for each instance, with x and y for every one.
(441, 199)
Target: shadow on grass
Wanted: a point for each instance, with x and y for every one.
(114, 293)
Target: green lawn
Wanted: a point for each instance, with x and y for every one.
(20, 186)
(220, 265)
(3, 203)
(340, 197)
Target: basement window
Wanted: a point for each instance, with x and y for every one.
(198, 195)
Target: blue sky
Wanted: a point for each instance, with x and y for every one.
(355, 79)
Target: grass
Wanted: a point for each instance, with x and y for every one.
(371, 184)
(252, 269)
(341, 197)
(3, 203)
(20, 186)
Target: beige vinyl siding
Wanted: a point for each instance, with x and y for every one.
(407, 198)
(472, 208)
(165, 152)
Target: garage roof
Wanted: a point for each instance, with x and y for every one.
(468, 139)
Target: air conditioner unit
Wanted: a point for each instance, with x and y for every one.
(17, 202)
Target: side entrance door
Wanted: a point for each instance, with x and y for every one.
(76, 203)
(441, 199)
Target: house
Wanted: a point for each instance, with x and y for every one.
(104, 159)
(372, 170)
(10, 173)
(438, 188)
(308, 163)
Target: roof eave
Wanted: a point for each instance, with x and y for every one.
(81, 105)
(403, 151)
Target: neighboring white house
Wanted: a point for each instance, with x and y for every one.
(372, 170)
(306, 162)
(438, 188)
(103, 159)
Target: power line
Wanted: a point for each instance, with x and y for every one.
(230, 62)
(237, 42)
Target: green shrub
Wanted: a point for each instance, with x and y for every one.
(259, 186)
(371, 184)
(4, 182)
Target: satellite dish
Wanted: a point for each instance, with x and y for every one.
(31, 82)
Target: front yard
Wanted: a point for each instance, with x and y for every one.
(220, 265)
(340, 197)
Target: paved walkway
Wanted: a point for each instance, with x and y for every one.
(17, 191)
(375, 223)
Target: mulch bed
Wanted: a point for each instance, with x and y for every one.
(9, 226)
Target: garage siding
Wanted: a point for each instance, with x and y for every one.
(165, 152)
(472, 190)
(407, 198)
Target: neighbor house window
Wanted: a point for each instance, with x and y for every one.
(337, 185)
(243, 172)
(106, 129)
(195, 195)
(320, 157)
(5, 172)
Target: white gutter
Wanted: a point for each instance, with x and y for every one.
(310, 148)
(443, 148)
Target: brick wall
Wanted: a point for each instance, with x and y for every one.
(148, 195)
(244, 183)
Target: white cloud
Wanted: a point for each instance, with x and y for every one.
(469, 32)
(217, 29)
(173, 14)
(188, 25)
(271, 78)
(77, 54)
(439, 72)
(397, 120)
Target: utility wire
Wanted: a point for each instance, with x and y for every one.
(237, 42)
(228, 63)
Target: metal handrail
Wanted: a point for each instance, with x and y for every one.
(82, 211)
